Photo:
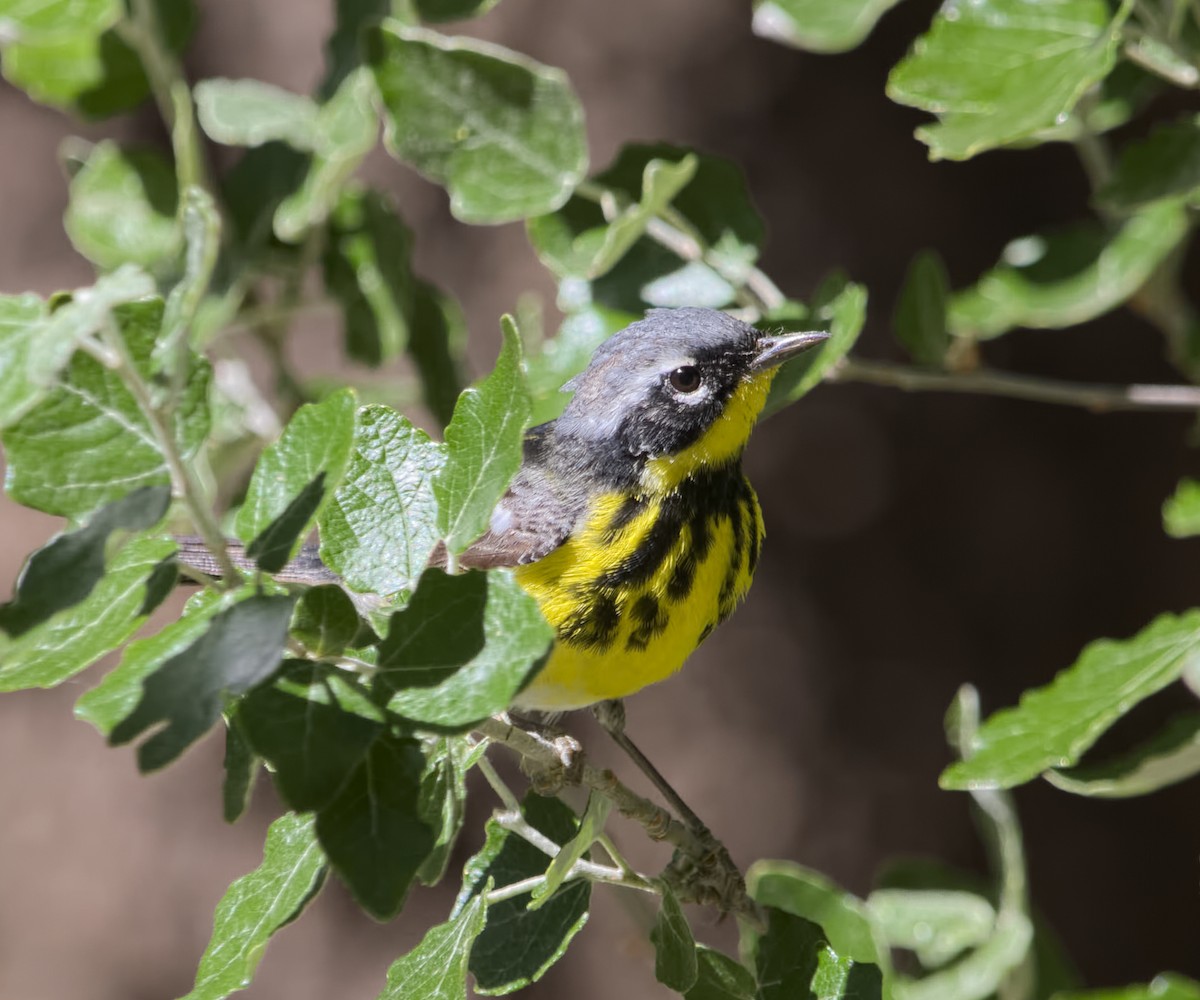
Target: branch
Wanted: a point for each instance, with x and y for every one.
(1098, 398)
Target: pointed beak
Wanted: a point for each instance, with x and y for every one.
(773, 351)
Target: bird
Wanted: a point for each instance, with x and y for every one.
(630, 520)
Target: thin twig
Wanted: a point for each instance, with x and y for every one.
(1096, 397)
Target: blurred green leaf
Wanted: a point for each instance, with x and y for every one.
(344, 46)
(444, 797)
(21, 319)
(996, 71)
(437, 343)
(316, 442)
(64, 571)
(844, 919)
(579, 240)
(675, 961)
(719, 977)
(72, 640)
(462, 648)
(1165, 164)
(93, 413)
(437, 968)
(257, 905)
(273, 547)
(842, 310)
(379, 527)
(241, 765)
(817, 25)
(1170, 757)
(251, 112)
(921, 311)
(240, 648)
(122, 209)
(484, 442)
(433, 11)
(785, 957)
(937, 924)
(314, 726)
(1068, 277)
(373, 832)
(252, 191)
(1055, 724)
(1181, 511)
(519, 945)
(502, 133)
(325, 620)
(1168, 986)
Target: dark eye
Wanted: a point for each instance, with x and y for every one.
(685, 379)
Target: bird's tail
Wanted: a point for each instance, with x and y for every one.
(305, 568)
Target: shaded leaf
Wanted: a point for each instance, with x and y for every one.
(240, 648)
(380, 525)
(462, 649)
(841, 978)
(63, 572)
(591, 826)
(74, 639)
(1068, 277)
(241, 766)
(314, 727)
(92, 412)
(1170, 757)
(444, 796)
(921, 311)
(272, 549)
(433, 11)
(1166, 164)
(344, 48)
(484, 442)
(325, 620)
(122, 209)
(1181, 511)
(675, 961)
(996, 71)
(436, 343)
(840, 310)
(817, 25)
(259, 904)
(1055, 724)
(253, 190)
(437, 968)
(719, 977)
(785, 957)
(502, 133)
(373, 832)
(519, 945)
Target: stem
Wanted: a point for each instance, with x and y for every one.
(1098, 398)
(183, 481)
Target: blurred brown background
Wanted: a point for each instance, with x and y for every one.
(915, 542)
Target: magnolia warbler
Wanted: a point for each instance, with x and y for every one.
(630, 520)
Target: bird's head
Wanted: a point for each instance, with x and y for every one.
(680, 388)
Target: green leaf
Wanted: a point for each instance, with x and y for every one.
(519, 945)
(259, 904)
(316, 443)
(347, 127)
(432, 11)
(444, 797)
(252, 191)
(844, 919)
(272, 549)
(1181, 511)
(325, 620)
(785, 958)
(202, 244)
(241, 766)
(1069, 277)
(251, 112)
(921, 311)
(997, 71)
(380, 526)
(591, 826)
(122, 209)
(841, 978)
(314, 727)
(63, 572)
(1055, 724)
(817, 25)
(842, 312)
(93, 413)
(344, 48)
(373, 832)
(1170, 757)
(567, 354)
(937, 924)
(502, 133)
(437, 968)
(484, 442)
(462, 648)
(368, 269)
(72, 640)
(578, 240)
(1167, 986)
(1166, 164)
(719, 977)
(675, 962)
(240, 648)
(21, 318)
(436, 344)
